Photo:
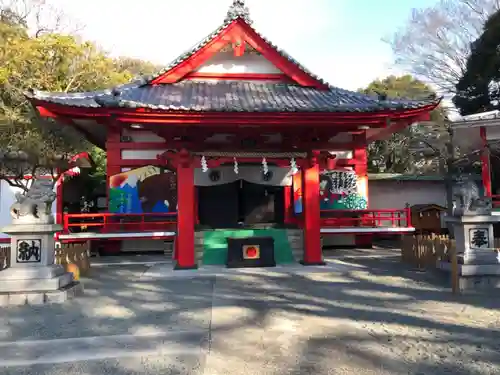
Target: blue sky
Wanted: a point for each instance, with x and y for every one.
(340, 40)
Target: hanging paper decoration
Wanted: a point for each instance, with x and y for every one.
(235, 166)
(293, 166)
(204, 165)
(265, 167)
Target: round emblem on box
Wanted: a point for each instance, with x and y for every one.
(251, 252)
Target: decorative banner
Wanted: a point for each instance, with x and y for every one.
(339, 190)
(143, 190)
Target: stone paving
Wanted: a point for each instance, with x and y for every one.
(363, 314)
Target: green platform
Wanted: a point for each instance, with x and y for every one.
(215, 244)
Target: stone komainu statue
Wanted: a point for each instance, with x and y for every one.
(34, 207)
(468, 201)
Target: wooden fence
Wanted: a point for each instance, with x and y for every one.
(73, 257)
(424, 252)
(4, 257)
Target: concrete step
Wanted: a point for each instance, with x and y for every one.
(296, 240)
(147, 246)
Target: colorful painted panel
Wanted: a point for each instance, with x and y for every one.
(339, 190)
(143, 190)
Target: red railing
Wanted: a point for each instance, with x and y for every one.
(115, 223)
(112, 223)
(366, 218)
(495, 201)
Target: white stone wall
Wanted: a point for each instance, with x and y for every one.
(492, 133)
(395, 194)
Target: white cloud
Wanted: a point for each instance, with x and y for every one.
(160, 30)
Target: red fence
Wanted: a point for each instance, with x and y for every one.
(116, 223)
(496, 201)
(111, 222)
(366, 218)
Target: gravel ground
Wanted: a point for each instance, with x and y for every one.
(377, 318)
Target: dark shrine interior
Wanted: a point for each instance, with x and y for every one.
(241, 204)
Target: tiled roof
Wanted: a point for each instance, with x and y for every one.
(230, 96)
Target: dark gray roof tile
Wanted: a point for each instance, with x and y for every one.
(230, 96)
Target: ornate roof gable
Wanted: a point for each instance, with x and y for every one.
(238, 9)
(237, 27)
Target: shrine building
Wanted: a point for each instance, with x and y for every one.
(236, 151)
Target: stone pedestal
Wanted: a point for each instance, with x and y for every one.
(478, 261)
(474, 239)
(32, 276)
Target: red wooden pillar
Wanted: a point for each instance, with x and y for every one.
(288, 196)
(60, 201)
(185, 212)
(485, 163)
(313, 254)
(361, 169)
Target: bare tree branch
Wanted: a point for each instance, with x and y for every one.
(435, 43)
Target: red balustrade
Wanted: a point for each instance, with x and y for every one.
(366, 218)
(113, 223)
(495, 201)
(116, 223)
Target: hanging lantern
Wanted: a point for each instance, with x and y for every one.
(204, 165)
(265, 167)
(235, 165)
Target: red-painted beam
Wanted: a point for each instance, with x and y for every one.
(397, 126)
(234, 117)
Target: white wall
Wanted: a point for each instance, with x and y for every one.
(492, 133)
(395, 194)
(141, 154)
(6, 200)
(226, 62)
(142, 136)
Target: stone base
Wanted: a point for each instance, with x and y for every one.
(479, 256)
(62, 295)
(11, 282)
(475, 277)
(472, 269)
(479, 283)
(40, 272)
